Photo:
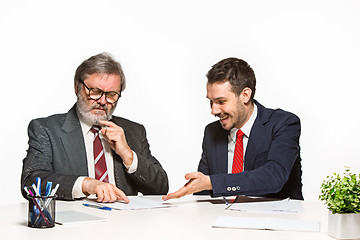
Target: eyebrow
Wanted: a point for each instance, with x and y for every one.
(217, 99)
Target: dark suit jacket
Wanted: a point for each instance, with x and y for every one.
(272, 165)
(57, 153)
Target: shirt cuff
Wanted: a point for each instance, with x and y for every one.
(77, 188)
(133, 167)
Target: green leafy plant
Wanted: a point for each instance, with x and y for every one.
(341, 193)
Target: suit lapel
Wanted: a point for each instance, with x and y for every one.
(221, 151)
(73, 142)
(118, 166)
(256, 138)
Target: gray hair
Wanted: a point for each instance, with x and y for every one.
(100, 63)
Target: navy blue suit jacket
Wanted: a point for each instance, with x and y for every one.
(272, 165)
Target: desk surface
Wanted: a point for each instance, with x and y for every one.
(190, 218)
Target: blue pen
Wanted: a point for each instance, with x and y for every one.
(96, 206)
(48, 188)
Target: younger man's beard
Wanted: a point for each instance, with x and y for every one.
(85, 111)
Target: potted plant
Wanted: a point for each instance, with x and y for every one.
(341, 193)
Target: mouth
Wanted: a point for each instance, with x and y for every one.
(98, 111)
(98, 107)
(223, 118)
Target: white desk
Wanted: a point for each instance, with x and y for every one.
(190, 218)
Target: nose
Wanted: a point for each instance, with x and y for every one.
(215, 110)
(102, 100)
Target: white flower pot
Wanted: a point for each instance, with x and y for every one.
(344, 225)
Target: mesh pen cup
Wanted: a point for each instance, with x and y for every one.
(41, 213)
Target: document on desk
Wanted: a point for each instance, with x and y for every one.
(278, 206)
(72, 217)
(136, 202)
(266, 223)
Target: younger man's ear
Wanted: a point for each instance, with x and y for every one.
(246, 95)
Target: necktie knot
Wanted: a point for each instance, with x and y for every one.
(239, 134)
(95, 129)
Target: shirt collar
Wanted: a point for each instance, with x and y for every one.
(246, 129)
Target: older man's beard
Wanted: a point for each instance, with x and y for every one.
(85, 111)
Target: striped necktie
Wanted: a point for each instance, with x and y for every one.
(238, 161)
(99, 157)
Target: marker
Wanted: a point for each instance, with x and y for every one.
(54, 190)
(47, 202)
(39, 200)
(36, 190)
(38, 185)
(97, 207)
(26, 190)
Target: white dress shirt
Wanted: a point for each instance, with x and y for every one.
(89, 139)
(246, 129)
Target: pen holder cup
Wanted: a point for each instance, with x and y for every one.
(41, 212)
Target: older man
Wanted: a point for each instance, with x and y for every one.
(90, 151)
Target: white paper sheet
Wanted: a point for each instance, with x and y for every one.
(280, 206)
(136, 202)
(267, 223)
(75, 217)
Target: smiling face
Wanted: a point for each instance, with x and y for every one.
(234, 111)
(95, 110)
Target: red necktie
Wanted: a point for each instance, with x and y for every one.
(99, 157)
(238, 161)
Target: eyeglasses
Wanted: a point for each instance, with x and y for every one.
(97, 93)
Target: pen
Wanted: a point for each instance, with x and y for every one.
(37, 194)
(48, 188)
(226, 202)
(51, 195)
(26, 190)
(54, 190)
(35, 190)
(96, 206)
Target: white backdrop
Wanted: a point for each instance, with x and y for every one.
(305, 55)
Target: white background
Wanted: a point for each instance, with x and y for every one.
(305, 55)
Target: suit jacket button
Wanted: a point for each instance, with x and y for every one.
(229, 189)
(234, 188)
(238, 188)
